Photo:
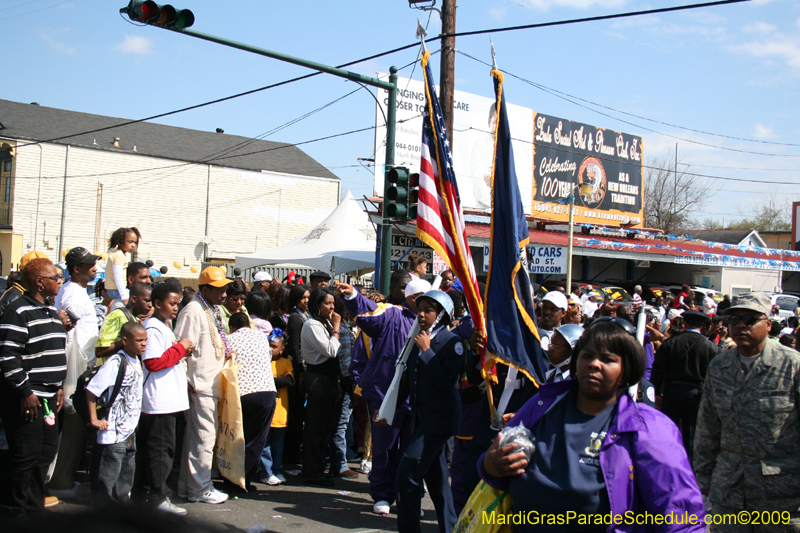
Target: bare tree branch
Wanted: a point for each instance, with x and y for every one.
(671, 197)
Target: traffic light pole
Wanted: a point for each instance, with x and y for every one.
(386, 223)
(390, 86)
(353, 76)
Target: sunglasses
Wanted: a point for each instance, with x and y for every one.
(621, 322)
(747, 320)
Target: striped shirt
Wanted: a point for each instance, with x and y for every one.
(33, 358)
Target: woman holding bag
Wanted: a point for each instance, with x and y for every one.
(256, 388)
(598, 453)
(319, 347)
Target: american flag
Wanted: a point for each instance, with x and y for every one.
(440, 220)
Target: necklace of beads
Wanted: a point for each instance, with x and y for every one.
(215, 323)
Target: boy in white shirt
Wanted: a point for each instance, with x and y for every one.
(165, 394)
(114, 462)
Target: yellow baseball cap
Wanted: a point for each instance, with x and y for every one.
(214, 276)
(35, 254)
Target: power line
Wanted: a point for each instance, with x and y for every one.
(399, 49)
(592, 19)
(568, 98)
(36, 11)
(19, 5)
(686, 43)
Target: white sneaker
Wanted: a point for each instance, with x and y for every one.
(280, 478)
(169, 507)
(381, 507)
(366, 467)
(213, 496)
(272, 480)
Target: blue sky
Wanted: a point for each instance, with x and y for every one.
(731, 70)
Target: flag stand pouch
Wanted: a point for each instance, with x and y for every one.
(487, 511)
(229, 449)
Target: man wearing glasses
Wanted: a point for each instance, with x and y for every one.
(747, 445)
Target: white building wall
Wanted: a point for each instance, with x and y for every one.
(166, 200)
(758, 280)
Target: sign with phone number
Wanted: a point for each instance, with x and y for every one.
(401, 244)
(539, 259)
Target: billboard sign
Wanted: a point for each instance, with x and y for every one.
(550, 156)
(795, 226)
(605, 165)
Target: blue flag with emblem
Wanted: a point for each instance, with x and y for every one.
(512, 337)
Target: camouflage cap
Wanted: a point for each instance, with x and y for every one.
(751, 301)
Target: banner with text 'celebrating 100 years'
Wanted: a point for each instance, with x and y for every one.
(551, 155)
(605, 165)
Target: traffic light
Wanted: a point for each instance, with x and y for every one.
(413, 196)
(166, 16)
(397, 193)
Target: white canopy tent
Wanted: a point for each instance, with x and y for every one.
(343, 242)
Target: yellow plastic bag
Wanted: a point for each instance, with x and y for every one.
(229, 450)
(485, 511)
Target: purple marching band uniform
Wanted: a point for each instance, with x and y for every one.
(644, 467)
(387, 325)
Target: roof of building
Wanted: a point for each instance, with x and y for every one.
(726, 236)
(39, 123)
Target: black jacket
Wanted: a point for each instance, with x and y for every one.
(684, 357)
(433, 385)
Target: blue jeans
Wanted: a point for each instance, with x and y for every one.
(114, 294)
(115, 465)
(338, 446)
(272, 456)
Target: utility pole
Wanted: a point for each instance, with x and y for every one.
(447, 69)
(675, 196)
(570, 233)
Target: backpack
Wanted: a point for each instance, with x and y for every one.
(81, 404)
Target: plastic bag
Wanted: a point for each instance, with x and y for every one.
(229, 450)
(485, 499)
(522, 437)
(76, 366)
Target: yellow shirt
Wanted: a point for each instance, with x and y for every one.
(279, 368)
(116, 258)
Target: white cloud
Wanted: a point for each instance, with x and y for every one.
(644, 20)
(764, 132)
(497, 12)
(760, 27)
(779, 46)
(580, 4)
(134, 44)
(708, 31)
(50, 37)
(771, 45)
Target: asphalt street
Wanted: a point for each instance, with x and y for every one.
(295, 506)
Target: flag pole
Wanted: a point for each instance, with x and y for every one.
(487, 377)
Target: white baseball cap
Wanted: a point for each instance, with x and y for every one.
(556, 298)
(417, 286)
(262, 276)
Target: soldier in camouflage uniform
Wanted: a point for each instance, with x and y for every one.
(747, 444)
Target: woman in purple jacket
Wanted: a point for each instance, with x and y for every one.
(602, 461)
